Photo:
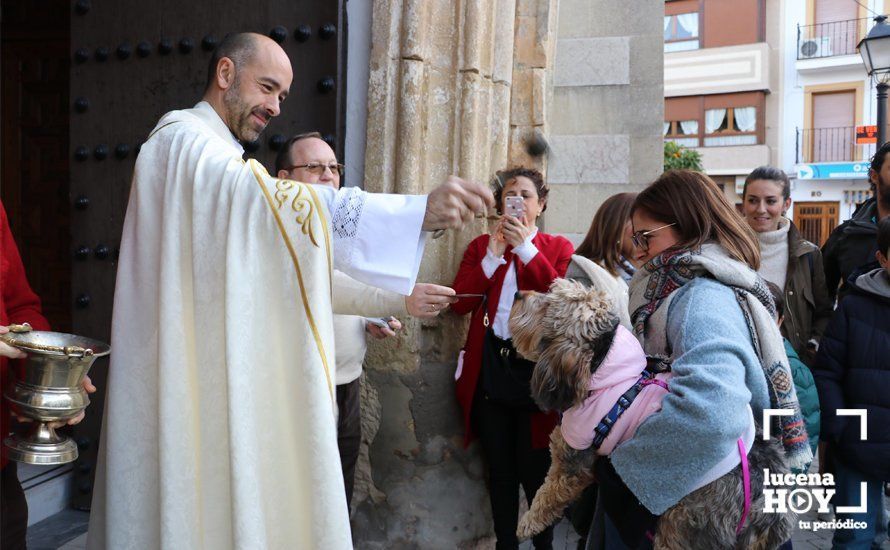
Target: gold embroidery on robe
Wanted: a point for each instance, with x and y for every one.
(301, 204)
(327, 236)
(258, 172)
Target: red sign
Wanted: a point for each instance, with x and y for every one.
(866, 134)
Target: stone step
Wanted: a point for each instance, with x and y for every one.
(48, 489)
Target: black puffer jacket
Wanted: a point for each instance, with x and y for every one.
(852, 371)
(851, 245)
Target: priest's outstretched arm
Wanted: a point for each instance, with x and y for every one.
(379, 238)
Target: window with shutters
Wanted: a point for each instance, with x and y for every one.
(829, 11)
(833, 136)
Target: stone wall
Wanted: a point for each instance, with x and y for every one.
(607, 107)
(456, 87)
(439, 103)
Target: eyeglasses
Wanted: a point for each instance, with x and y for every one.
(318, 168)
(641, 238)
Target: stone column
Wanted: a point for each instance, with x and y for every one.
(534, 45)
(456, 87)
(439, 103)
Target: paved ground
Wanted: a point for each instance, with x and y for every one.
(67, 531)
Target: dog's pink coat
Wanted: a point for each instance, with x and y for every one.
(620, 369)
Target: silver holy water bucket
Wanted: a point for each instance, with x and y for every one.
(48, 388)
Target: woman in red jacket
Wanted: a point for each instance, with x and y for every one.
(18, 304)
(493, 382)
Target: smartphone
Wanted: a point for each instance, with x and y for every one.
(514, 206)
(377, 321)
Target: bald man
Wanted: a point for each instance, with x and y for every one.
(220, 418)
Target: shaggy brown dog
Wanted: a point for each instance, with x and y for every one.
(568, 332)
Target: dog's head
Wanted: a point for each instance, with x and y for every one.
(568, 332)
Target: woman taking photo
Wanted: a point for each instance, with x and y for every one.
(697, 302)
(788, 260)
(492, 382)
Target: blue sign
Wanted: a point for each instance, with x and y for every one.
(833, 171)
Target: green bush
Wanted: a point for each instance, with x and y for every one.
(677, 157)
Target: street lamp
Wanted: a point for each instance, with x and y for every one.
(875, 52)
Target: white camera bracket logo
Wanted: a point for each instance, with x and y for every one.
(800, 499)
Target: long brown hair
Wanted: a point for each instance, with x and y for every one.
(701, 213)
(603, 241)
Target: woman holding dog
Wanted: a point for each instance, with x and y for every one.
(788, 260)
(697, 302)
(492, 384)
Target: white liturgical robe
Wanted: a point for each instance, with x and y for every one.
(219, 428)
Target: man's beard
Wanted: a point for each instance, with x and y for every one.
(239, 114)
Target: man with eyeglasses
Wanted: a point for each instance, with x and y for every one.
(219, 426)
(309, 159)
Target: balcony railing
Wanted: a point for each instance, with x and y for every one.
(831, 145)
(831, 39)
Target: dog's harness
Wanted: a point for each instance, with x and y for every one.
(601, 432)
(654, 366)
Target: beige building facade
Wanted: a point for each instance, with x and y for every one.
(723, 85)
(829, 98)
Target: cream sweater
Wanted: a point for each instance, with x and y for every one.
(774, 254)
(349, 330)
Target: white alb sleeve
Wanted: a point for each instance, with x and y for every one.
(377, 237)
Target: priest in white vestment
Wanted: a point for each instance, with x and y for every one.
(219, 427)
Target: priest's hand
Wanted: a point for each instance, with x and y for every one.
(455, 203)
(427, 300)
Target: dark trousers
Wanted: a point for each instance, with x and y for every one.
(620, 521)
(14, 510)
(505, 434)
(349, 431)
(581, 512)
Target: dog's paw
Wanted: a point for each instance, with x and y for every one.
(526, 528)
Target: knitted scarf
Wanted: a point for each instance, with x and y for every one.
(654, 285)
